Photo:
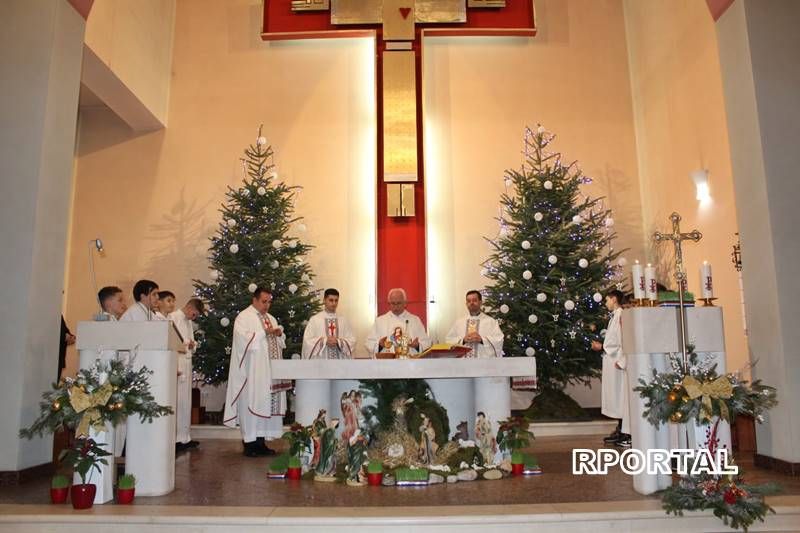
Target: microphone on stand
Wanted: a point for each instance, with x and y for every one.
(96, 244)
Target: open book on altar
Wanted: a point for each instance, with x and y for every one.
(446, 350)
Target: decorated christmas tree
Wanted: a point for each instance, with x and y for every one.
(253, 247)
(550, 267)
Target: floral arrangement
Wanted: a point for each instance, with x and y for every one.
(730, 498)
(700, 393)
(86, 455)
(110, 391)
(299, 439)
(514, 434)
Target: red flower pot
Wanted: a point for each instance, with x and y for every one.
(375, 479)
(59, 495)
(294, 473)
(516, 469)
(83, 495)
(125, 496)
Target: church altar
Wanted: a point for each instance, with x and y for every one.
(462, 385)
(649, 336)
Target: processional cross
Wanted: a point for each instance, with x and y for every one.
(399, 28)
(680, 274)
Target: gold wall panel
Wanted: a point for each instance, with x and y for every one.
(396, 27)
(399, 116)
(298, 6)
(400, 200)
(441, 11)
(356, 11)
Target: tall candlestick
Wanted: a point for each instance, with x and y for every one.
(650, 282)
(706, 285)
(638, 281)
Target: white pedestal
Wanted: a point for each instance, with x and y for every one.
(649, 335)
(150, 451)
(457, 396)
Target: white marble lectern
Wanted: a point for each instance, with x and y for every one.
(150, 448)
(649, 335)
(492, 393)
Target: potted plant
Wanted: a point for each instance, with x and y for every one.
(294, 469)
(59, 488)
(126, 488)
(513, 436)
(375, 472)
(86, 455)
(278, 467)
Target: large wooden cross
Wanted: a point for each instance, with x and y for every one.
(399, 28)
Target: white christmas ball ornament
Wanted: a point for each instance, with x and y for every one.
(293, 244)
(537, 216)
(276, 244)
(622, 261)
(252, 287)
(261, 141)
(552, 259)
(301, 227)
(577, 219)
(214, 274)
(527, 274)
(224, 322)
(583, 263)
(292, 288)
(609, 222)
(504, 309)
(231, 223)
(234, 248)
(246, 192)
(530, 352)
(569, 305)
(597, 297)
(533, 319)
(541, 297)
(548, 185)
(526, 245)
(261, 191)
(274, 264)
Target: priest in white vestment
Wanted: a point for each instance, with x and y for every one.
(328, 335)
(183, 320)
(254, 401)
(387, 324)
(145, 296)
(477, 330)
(614, 380)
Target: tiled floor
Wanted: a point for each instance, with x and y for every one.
(218, 474)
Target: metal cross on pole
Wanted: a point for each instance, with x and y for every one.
(680, 274)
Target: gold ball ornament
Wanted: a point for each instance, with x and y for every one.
(672, 396)
(118, 405)
(676, 417)
(56, 405)
(685, 399)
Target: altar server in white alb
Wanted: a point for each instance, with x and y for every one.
(183, 320)
(328, 334)
(254, 401)
(614, 381)
(398, 320)
(477, 330)
(145, 296)
(112, 303)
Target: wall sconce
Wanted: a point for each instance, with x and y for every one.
(700, 178)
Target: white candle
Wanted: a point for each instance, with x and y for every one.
(638, 281)
(706, 285)
(650, 282)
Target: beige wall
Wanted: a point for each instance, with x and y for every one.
(480, 93)
(133, 40)
(153, 198)
(679, 112)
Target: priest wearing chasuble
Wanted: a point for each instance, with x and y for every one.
(328, 335)
(254, 401)
(397, 321)
(477, 330)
